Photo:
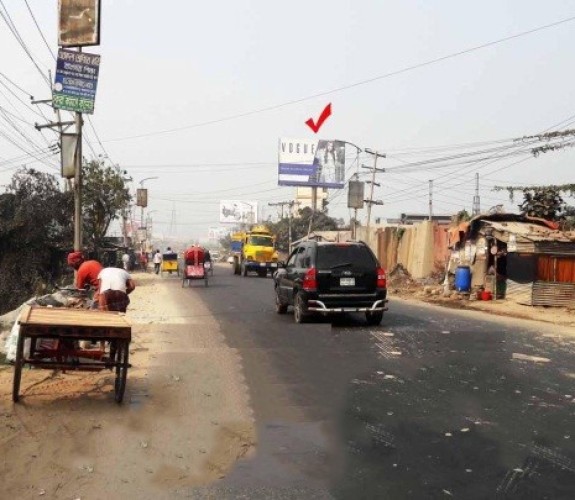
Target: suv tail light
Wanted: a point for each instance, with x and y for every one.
(310, 280)
(381, 278)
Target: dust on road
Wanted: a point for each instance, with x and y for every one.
(184, 422)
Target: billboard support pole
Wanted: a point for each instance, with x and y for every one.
(78, 184)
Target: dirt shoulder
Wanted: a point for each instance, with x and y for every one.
(185, 420)
(433, 294)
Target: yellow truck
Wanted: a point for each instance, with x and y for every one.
(254, 251)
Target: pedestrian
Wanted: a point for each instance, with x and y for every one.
(157, 261)
(126, 261)
(115, 286)
(87, 272)
(143, 261)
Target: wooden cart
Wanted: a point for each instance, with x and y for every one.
(62, 329)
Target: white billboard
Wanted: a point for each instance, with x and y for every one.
(238, 212)
(311, 162)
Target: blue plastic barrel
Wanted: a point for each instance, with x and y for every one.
(463, 279)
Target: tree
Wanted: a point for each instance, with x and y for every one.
(35, 232)
(104, 197)
(544, 202)
(300, 226)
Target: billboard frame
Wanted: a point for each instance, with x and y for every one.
(72, 5)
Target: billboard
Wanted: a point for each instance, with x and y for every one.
(238, 212)
(311, 162)
(78, 23)
(142, 197)
(75, 81)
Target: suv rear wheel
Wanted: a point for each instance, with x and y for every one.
(299, 310)
(281, 308)
(374, 318)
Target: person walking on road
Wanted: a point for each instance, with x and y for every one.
(115, 286)
(143, 261)
(157, 261)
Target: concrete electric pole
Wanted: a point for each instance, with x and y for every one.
(371, 201)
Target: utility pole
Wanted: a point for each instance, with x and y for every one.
(290, 204)
(476, 199)
(371, 201)
(78, 185)
(430, 200)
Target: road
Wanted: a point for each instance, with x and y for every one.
(227, 399)
(435, 403)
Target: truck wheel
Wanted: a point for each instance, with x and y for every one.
(374, 318)
(299, 310)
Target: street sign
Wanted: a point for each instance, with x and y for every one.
(142, 198)
(76, 81)
(69, 147)
(355, 194)
(79, 22)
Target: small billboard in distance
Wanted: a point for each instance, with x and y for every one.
(312, 163)
(238, 212)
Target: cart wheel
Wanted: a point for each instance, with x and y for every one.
(121, 370)
(18, 369)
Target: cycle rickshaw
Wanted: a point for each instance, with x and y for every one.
(194, 266)
(170, 263)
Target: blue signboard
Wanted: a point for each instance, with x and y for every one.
(312, 163)
(76, 81)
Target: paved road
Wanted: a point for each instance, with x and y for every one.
(434, 403)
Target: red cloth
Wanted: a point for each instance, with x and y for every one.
(88, 274)
(194, 255)
(75, 258)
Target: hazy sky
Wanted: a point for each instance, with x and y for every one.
(181, 64)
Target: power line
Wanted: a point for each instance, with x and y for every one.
(350, 86)
(40, 31)
(8, 20)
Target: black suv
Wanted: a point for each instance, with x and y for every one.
(331, 278)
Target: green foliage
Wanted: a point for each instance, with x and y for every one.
(104, 196)
(35, 231)
(320, 221)
(545, 202)
(461, 216)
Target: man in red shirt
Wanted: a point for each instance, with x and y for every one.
(87, 272)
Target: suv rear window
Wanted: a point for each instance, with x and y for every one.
(335, 255)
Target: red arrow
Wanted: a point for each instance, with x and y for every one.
(325, 114)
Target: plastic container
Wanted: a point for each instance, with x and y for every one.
(463, 279)
(486, 295)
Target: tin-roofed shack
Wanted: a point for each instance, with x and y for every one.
(520, 258)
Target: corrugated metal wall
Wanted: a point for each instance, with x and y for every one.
(552, 293)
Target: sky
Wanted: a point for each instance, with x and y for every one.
(196, 94)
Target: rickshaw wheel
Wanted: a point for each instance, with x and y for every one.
(18, 369)
(122, 356)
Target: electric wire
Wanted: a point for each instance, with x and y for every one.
(349, 86)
